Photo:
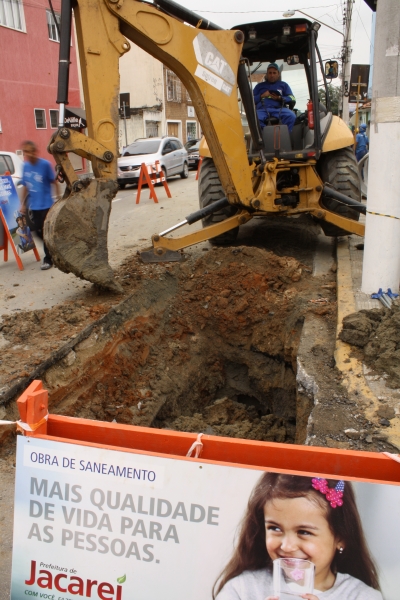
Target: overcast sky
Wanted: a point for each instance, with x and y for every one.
(228, 13)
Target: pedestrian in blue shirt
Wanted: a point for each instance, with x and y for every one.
(37, 177)
(270, 95)
(362, 142)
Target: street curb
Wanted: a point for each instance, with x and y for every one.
(352, 368)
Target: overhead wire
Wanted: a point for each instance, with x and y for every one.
(362, 23)
(236, 12)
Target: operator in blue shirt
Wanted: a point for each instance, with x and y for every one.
(270, 95)
(37, 177)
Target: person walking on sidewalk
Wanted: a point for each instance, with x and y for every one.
(37, 177)
(362, 142)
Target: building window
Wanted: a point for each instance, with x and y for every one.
(188, 98)
(151, 129)
(191, 130)
(173, 87)
(52, 26)
(40, 118)
(54, 119)
(12, 14)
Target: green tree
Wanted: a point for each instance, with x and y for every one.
(334, 94)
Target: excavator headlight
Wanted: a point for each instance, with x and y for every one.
(252, 34)
(286, 30)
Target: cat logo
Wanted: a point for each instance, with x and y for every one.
(214, 62)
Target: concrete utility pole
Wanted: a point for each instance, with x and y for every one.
(381, 268)
(346, 54)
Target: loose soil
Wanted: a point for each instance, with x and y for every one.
(210, 344)
(219, 357)
(376, 335)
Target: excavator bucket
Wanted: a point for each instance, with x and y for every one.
(75, 232)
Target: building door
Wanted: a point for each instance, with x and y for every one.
(173, 129)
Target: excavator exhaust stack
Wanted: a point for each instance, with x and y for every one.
(75, 232)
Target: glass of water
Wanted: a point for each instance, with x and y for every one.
(292, 578)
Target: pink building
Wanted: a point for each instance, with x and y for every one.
(29, 49)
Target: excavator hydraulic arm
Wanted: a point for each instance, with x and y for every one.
(206, 61)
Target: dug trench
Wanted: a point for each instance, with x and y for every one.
(238, 343)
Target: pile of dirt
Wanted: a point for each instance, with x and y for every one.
(216, 353)
(377, 333)
(32, 336)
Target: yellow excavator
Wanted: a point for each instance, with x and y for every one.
(258, 173)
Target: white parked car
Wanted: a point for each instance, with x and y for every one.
(11, 164)
(169, 151)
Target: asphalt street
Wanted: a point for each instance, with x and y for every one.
(131, 227)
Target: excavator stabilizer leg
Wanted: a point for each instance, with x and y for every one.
(75, 232)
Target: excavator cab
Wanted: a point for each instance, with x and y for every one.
(289, 45)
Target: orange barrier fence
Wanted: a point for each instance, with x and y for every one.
(151, 175)
(126, 512)
(330, 462)
(198, 168)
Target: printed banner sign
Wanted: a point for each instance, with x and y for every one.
(9, 200)
(359, 74)
(111, 525)
(16, 222)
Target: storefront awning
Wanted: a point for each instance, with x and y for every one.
(75, 118)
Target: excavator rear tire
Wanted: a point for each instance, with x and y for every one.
(211, 190)
(339, 168)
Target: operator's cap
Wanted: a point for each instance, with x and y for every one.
(363, 127)
(273, 66)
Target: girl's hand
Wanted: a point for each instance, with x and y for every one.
(272, 598)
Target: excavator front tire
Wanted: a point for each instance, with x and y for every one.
(210, 190)
(339, 169)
